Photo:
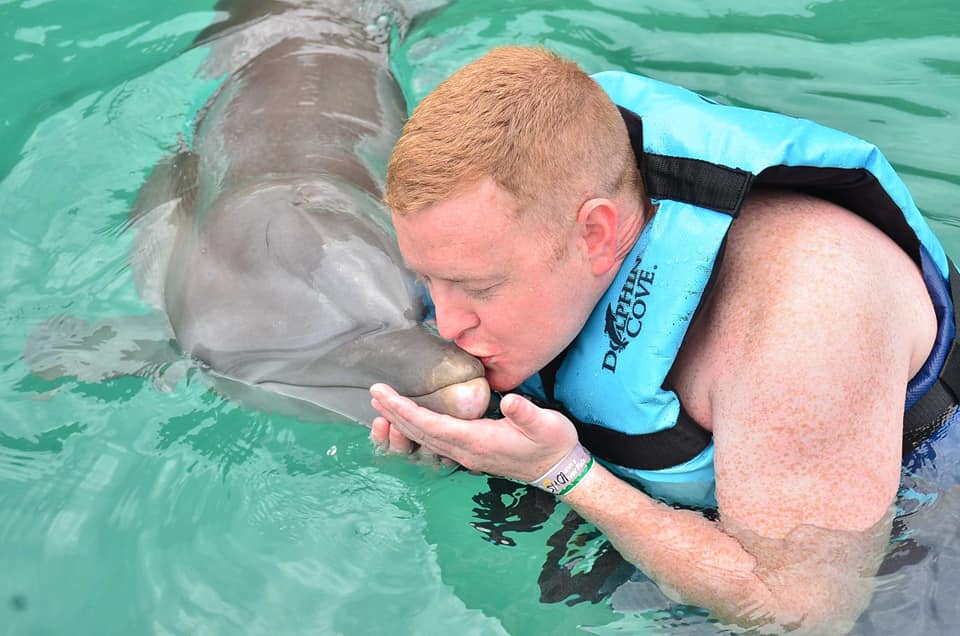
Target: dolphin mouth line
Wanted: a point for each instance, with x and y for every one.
(354, 387)
(308, 386)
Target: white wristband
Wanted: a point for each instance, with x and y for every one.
(567, 473)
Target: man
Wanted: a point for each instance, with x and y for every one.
(768, 357)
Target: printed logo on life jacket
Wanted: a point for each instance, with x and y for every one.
(617, 342)
(624, 322)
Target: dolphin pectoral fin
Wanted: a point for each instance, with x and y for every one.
(67, 346)
(174, 177)
(163, 202)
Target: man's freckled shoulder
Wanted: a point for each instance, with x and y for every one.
(796, 253)
(796, 264)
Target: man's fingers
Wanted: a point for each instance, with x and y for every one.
(390, 440)
(521, 411)
(432, 432)
(387, 402)
(380, 433)
(400, 443)
(415, 421)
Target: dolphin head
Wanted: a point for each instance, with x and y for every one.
(297, 287)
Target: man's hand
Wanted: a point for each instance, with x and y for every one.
(522, 445)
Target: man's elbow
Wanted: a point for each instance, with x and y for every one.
(803, 600)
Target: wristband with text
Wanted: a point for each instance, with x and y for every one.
(566, 473)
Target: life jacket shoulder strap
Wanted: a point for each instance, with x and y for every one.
(693, 181)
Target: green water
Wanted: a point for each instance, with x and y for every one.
(153, 505)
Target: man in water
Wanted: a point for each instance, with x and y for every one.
(768, 357)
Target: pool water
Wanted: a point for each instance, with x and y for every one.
(152, 505)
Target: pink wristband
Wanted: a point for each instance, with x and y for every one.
(567, 473)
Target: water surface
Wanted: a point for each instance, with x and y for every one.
(151, 505)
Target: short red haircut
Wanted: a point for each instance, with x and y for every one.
(535, 123)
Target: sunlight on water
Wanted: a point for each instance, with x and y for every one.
(151, 504)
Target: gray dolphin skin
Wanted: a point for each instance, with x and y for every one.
(284, 273)
(265, 242)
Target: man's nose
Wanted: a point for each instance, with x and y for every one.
(454, 316)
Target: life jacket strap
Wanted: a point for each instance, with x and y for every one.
(941, 399)
(693, 181)
(642, 451)
(648, 451)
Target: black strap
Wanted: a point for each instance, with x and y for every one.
(928, 413)
(650, 451)
(692, 181)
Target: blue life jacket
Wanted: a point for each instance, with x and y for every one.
(698, 161)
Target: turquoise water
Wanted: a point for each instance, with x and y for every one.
(152, 505)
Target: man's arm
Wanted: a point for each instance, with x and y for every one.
(814, 577)
(817, 577)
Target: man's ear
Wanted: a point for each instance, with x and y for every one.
(597, 222)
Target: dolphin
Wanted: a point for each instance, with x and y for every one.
(265, 242)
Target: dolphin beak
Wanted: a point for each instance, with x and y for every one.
(456, 384)
(417, 363)
(464, 400)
